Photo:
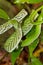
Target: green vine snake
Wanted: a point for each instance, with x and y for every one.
(21, 30)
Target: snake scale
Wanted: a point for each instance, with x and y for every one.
(20, 31)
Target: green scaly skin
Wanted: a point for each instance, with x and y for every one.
(15, 38)
(13, 41)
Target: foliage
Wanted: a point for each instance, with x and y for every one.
(28, 1)
(35, 61)
(29, 28)
(3, 14)
(14, 55)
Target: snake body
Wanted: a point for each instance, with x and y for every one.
(16, 37)
(32, 35)
(13, 41)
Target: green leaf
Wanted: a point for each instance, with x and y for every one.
(32, 35)
(41, 36)
(14, 55)
(35, 1)
(33, 46)
(35, 61)
(3, 14)
(39, 20)
(28, 1)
